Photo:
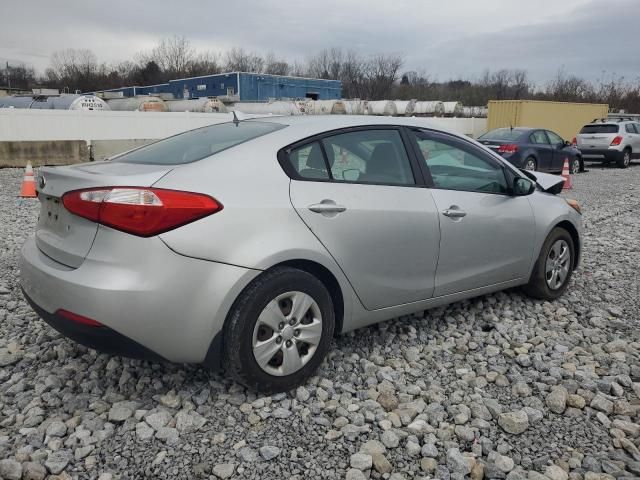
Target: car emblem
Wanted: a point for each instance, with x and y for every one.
(41, 182)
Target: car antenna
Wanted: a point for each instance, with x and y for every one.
(236, 121)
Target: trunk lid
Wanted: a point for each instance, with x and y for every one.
(67, 238)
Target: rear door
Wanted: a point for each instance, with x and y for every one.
(540, 143)
(367, 208)
(486, 236)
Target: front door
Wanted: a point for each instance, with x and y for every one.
(559, 152)
(543, 149)
(486, 234)
(357, 193)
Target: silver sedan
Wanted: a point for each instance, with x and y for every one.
(247, 245)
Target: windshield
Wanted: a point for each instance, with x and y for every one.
(599, 129)
(197, 144)
(502, 134)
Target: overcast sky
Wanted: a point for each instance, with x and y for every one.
(442, 38)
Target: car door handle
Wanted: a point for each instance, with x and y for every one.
(454, 213)
(327, 207)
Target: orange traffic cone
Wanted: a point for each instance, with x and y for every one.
(568, 184)
(28, 189)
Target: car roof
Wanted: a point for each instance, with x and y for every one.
(302, 126)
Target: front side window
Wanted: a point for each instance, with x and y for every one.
(539, 137)
(369, 156)
(554, 139)
(455, 166)
(629, 128)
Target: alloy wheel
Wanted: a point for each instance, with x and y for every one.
(626, 159)
(575, 166)
(557, 264)
(530, 165)
(287, 333)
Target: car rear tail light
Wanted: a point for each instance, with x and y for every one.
(508, 148)
(74, 317)
(616, 141)
(144, 212)
(574, 142)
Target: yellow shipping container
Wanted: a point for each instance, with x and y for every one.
(566, 119)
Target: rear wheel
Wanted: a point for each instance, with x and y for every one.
(279, 330)
(553, 269)
(530, 164)
(624, 159)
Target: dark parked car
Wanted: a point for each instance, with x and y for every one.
(533, 149)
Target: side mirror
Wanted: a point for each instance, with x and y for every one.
(566, 143)
(523, 186)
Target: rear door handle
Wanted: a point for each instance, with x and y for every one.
(454, 213)
(327, 206)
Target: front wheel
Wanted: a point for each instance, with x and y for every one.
(576, 166)
(553, 269)
(279, 330)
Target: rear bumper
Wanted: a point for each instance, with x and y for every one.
(600, 154)
(102, 339)
(150, 298)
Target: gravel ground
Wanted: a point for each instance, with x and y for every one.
(497, 387)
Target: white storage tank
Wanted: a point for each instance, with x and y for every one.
(55, 102)
(452, 109)
(355, 107)
(405, 108)
(382, 107)
(202, 105)
(327, 107)
(475, 112)
(429, 108)
(142, 103)
(277, 107)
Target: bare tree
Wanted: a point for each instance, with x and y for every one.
(274, 65)
(204, 63)
(239, 60)
(173, 55)
(381, 73)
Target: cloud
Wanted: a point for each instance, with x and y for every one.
(444, 39)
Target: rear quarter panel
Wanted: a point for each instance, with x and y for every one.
(258, 226)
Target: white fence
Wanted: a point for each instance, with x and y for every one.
(28, 125)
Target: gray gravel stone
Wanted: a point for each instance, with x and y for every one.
(269, 452)
(223, 470)
(361, 461)
(514, 422)
(10, 469)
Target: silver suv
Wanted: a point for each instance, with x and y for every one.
(610, 140)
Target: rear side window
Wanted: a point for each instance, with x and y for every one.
(369, 156)
(606, 128)
(197, 144)
(630, 128)
(539, 137)
(308, 161)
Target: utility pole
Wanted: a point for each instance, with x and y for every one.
(8, 77)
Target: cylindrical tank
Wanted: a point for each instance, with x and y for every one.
(475, 112)
(405, 107)
(278, 107)
(327, 107)
(55, 102)
(203, 105)
(142, 103)
(452, 109)
(355, 107)
(382, 107)
(430, 108)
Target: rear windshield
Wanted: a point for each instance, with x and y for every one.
(197, 144)
(502, 134)
(599, 129)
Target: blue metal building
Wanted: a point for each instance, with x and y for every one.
(248, 87)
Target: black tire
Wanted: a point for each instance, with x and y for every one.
(531, 159)
(238, 357)
(577, 166)
(537, 286)
(624, 160)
